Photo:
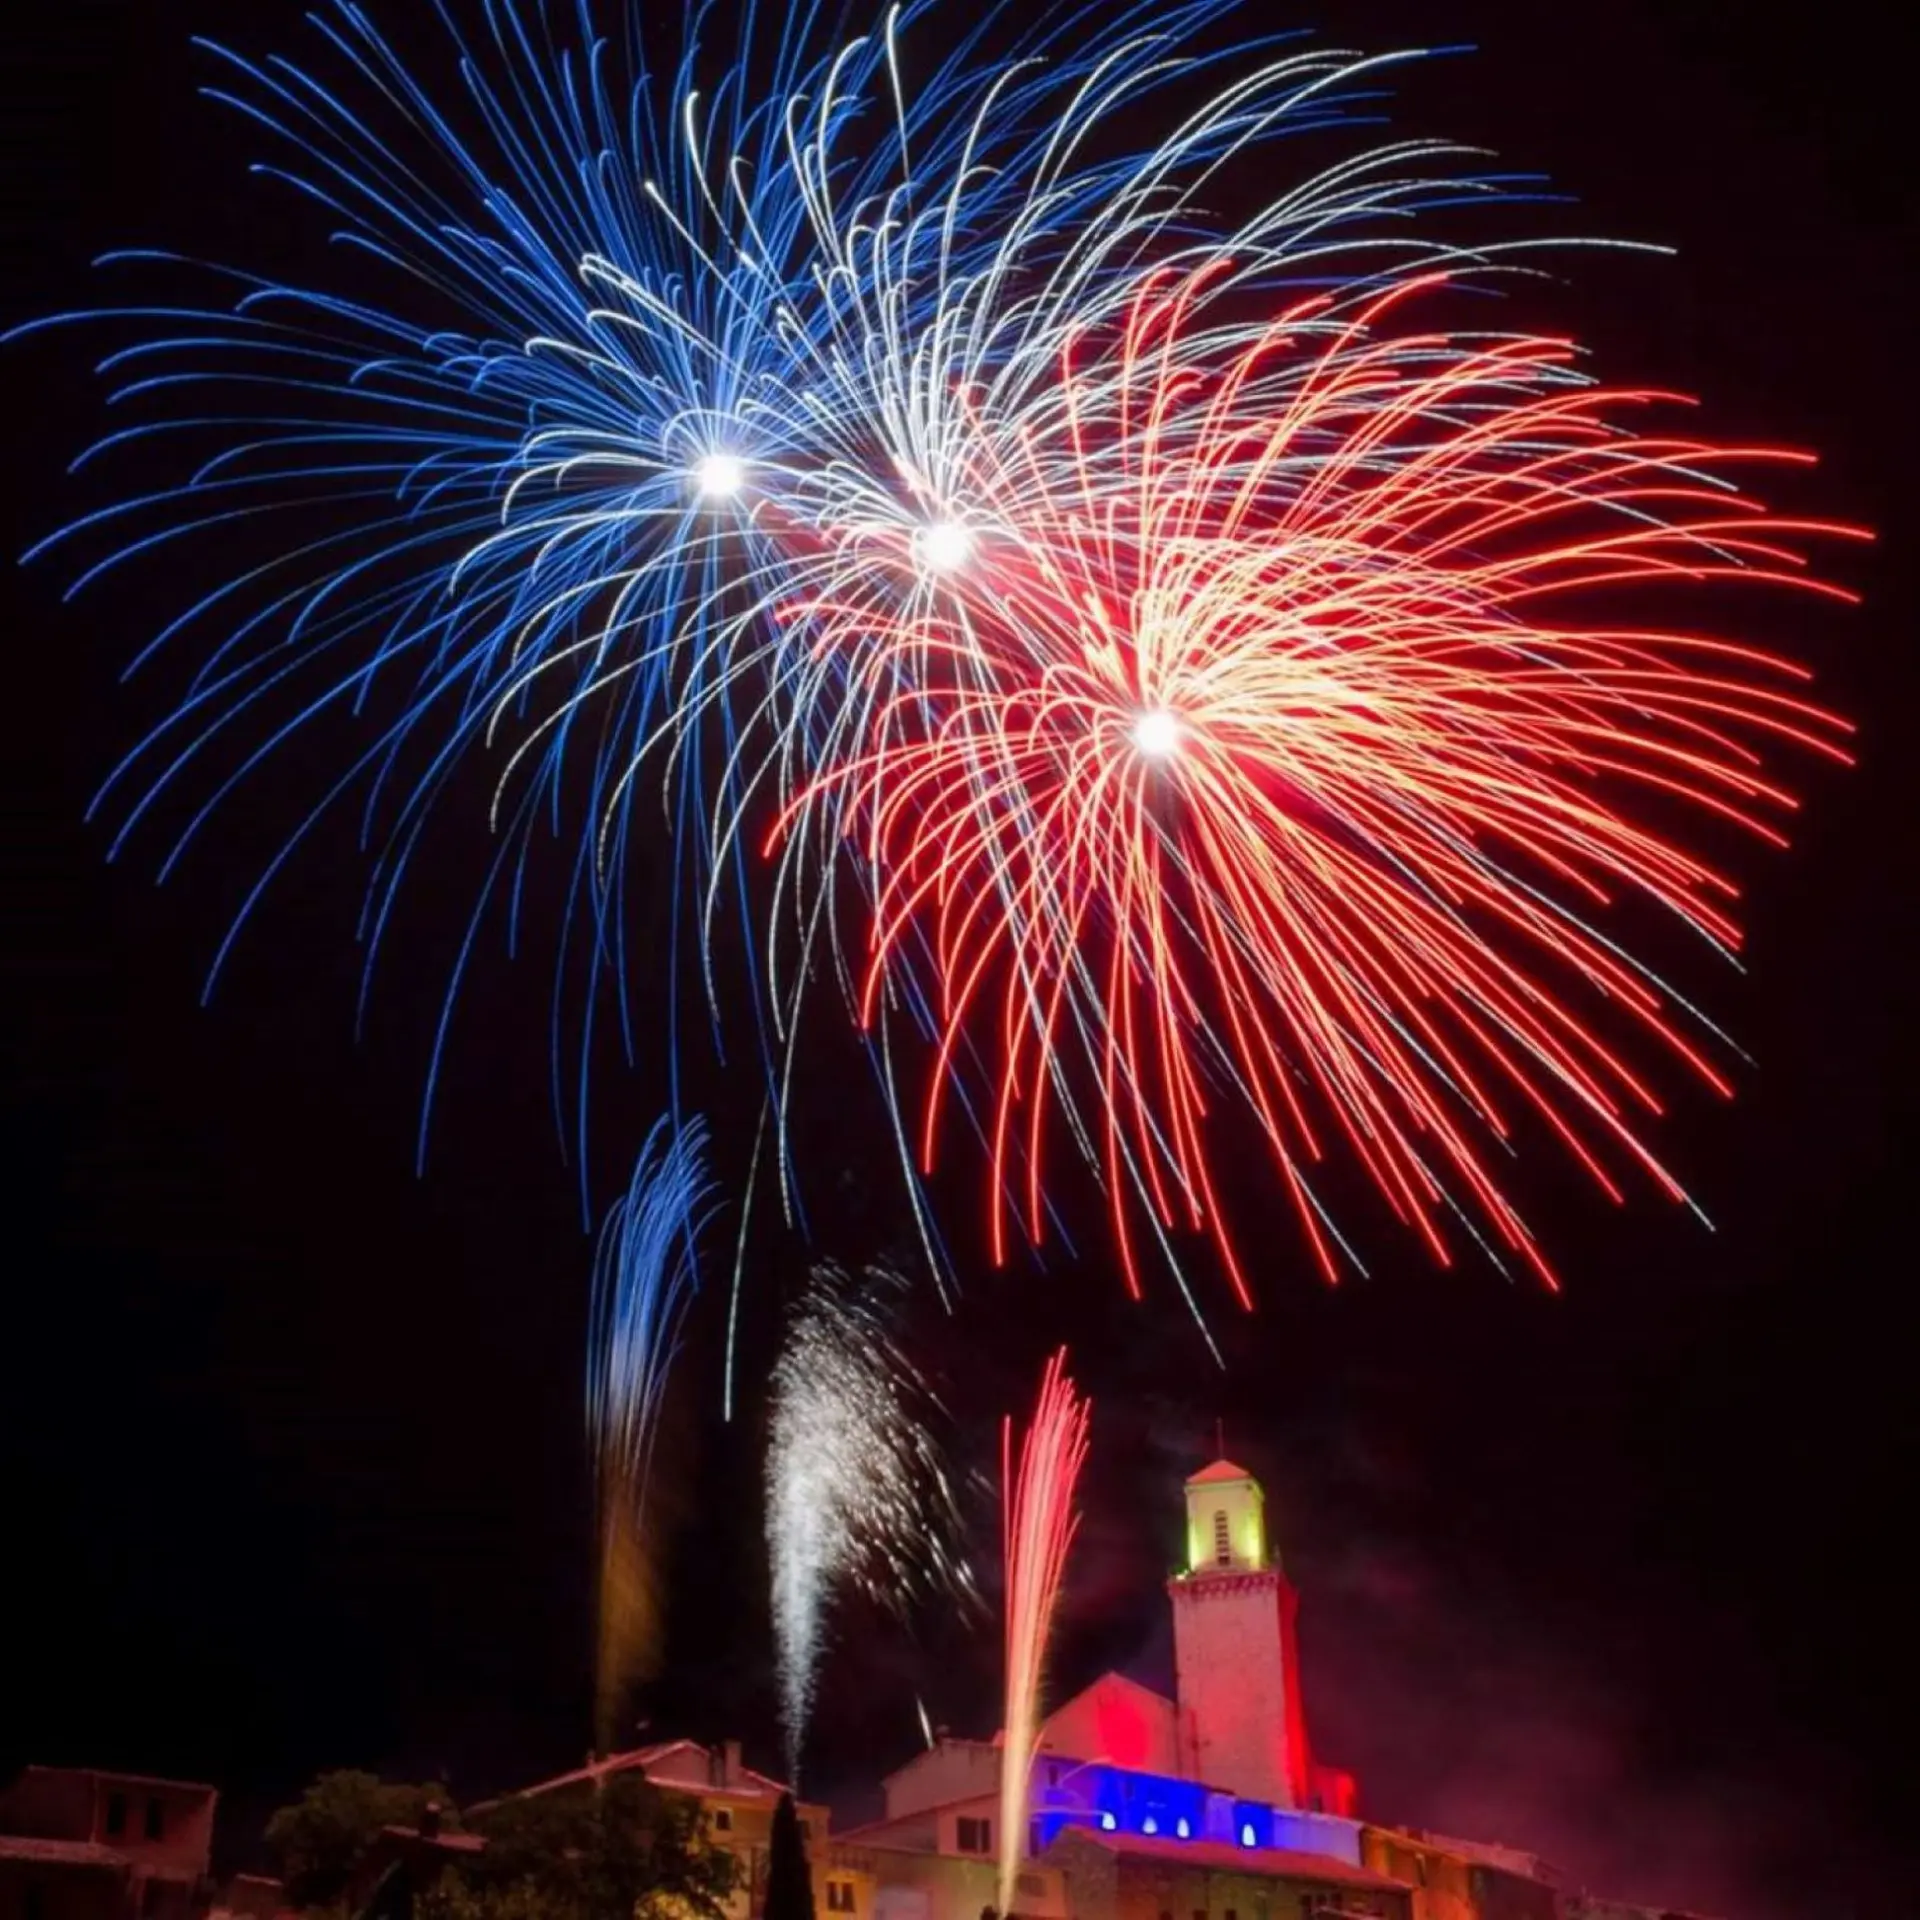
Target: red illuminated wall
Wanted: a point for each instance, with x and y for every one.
(1119, 1722)
(1240, 1717)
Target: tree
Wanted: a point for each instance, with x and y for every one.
(789, 1884)
(589, 1853)
(318, 1841)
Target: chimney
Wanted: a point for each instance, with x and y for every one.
(430, 1820)
(730, 1763)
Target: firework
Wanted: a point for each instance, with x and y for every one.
(644, 1278)
(856, 1492)
(1280, 754)
(1179, 683)
(1039, 1522)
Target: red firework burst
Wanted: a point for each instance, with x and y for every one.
(1268, 743)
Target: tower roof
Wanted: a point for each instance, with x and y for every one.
(1220, 1470)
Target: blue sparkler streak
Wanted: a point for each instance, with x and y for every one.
(644, 1279)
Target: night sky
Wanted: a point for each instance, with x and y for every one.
(290, 1440)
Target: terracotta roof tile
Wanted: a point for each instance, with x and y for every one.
(1220, 1470)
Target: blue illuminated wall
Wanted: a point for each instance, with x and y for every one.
(1088, 1794)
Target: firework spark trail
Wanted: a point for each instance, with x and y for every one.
(857, 1495)
(644, 1279)
(1266, 756)
(1039, 1524)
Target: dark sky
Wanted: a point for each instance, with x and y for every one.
(290, 1439)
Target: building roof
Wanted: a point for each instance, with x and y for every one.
(1485, 1853)
(124, 1779)
(942, 1740)
(60, 1853)
(1220, 1470)
(890, 1823)
(745, 1784)
(1221, 1856)
(1108, 1682)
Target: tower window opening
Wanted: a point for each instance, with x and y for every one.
(1222, 1539)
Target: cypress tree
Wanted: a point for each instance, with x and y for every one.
(789, 1884)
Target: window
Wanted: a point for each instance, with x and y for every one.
(1165, 1915)
(974, 1836)
(1034, 1843)
(116, 1813)
(1222, 1539)
(723, 1819)
(839, 1896)
(1029, 1883)
(1231, 1914)
(156, 1818)
(33, 1905)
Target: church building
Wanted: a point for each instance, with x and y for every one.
(1165, 1801)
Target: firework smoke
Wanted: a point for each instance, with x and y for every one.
(1040, 1521)
(856, 1493)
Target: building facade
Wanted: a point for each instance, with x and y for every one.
(736, 1806)
(81, 1843)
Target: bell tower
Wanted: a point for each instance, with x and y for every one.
(1240, 1721)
